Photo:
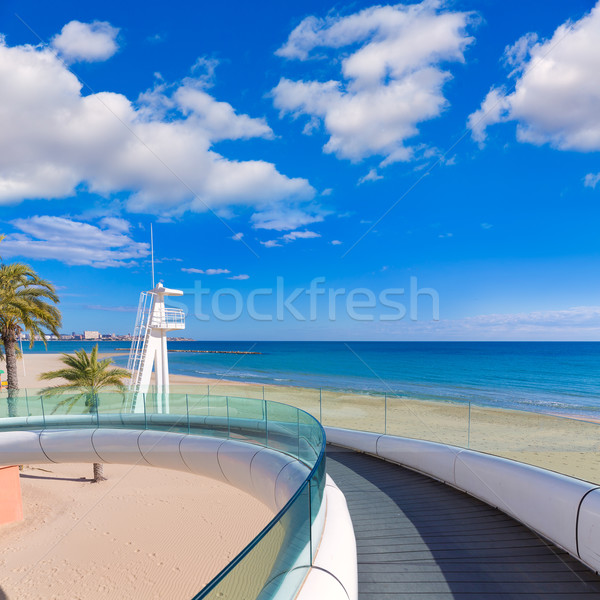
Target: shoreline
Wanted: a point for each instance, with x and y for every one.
(566, 444)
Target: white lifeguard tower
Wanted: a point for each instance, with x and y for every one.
(149, 347)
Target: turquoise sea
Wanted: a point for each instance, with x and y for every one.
(557, 377)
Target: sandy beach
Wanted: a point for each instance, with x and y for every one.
(144, 533)
(566, 445)
(122, 537)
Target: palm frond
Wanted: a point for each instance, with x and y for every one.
(85, 373)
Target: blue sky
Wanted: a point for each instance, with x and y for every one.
(452, 145)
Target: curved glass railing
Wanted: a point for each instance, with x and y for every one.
(276, 562)
(560, 443)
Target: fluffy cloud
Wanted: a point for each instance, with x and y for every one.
(580, 322)
(206, 271)
(372, 175)
(392, 76)
(158, 150)
(300, 235)
(557, 90)
(285, 218)
(90, 42)
(74, 242)
(240, 277)
(591, 180)
(129, 309)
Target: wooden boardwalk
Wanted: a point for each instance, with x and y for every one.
(420, 539)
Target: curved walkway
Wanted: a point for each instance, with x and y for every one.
(418, 538)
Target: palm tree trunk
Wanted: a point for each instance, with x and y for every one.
(98, 473)
(9, 339)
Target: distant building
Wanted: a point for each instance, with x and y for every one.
(91, 335)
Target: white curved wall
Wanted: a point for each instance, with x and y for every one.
(274, 479)
(562, 509)
(270, 476)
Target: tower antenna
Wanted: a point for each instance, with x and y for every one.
(152, 252)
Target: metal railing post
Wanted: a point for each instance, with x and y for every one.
(145, 412)
(228, 422)
(43, 411)
(266, 425)
(298, 429)
(187, 410)
(96, 402)
(385, 414)
(469, 427)
(321, 406)
(27, 403)
(310, 520)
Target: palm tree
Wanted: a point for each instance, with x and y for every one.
(25, 305)
(85, 376)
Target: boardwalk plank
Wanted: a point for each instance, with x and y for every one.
(420, 539)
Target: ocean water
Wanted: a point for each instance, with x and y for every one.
(555, 377)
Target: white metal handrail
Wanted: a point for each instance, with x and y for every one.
(167, 318)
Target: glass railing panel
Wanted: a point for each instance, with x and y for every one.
(70, 409)
(237, 390)
(208, 415)
(24, 405)
(317, 489)
(303, 398)
(310, 439)
(566, 445)
(352, 411)
(276, 564)
(282, 427)
(435, 421)
(247, 419)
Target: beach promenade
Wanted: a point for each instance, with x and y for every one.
(419, 538)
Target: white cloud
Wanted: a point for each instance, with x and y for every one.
(284, 218)
(300, 235)
(116, 224)
(580, 322)
(206, 271)
(392, 77)
(271, 244)
(372, 175)
(90, 42)
(517, 54)
(493, 110)
(74, 242)
(217, 271)
(445, 235)
(486, 226)
(110, 308)
(557, 90)
(157, 152)
(335, 242)
(240, 277)
(237, 236)
(591, 180)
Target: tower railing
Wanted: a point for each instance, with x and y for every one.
(169, 318)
